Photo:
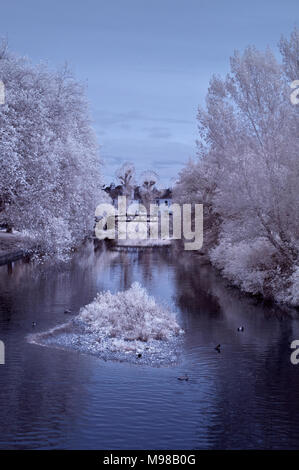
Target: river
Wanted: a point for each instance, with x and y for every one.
(245, 396)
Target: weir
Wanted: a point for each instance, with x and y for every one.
(134, 223)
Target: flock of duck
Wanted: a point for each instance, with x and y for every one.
(217, 348)
(139, 355)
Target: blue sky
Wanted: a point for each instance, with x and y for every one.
(146, 63)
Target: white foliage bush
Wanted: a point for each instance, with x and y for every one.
(126, 326)
(246, 264)
(57, 237)
(131, 315)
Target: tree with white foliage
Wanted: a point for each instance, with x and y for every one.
(148, 181)
(49, 160)
(126, 176)
(247, 173)
(290, 53)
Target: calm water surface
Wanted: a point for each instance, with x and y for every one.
(247, 396)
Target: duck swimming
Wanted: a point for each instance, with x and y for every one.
(183, 377)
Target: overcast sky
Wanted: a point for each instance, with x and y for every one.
(147, 63)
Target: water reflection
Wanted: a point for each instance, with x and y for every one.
(247, 396)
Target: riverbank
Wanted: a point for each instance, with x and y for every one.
(13, 246)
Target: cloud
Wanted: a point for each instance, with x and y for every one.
(158, 132)
(106, 119)
(165, 156)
